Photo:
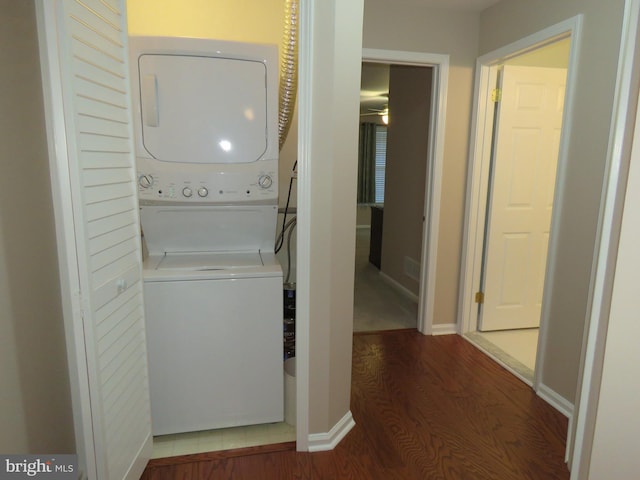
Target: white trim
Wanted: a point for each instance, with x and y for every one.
(303, 234)
(398, 287)
(479, 171)
(557, 401)
(444, 329)
(531, 42)
(581, 440)
(570, 438)
(320, 442)
(433, 189)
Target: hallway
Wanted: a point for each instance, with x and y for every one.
(424, 407)
(377, 305)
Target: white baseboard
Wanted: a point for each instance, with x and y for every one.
(320, 442)
(398, 287)
(557, 401)
(568, 451)
(444, 329)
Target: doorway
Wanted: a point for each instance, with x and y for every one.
(392, 160)
(430, 204)
(520, 104)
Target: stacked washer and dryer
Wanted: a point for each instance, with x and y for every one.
(207, 159)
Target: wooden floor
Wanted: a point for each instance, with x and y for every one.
(425, 408)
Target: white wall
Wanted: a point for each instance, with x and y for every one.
(617, 427)
(35, 402)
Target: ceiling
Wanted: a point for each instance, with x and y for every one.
(375, 76)
(374, 87)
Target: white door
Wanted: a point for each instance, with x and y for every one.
(528, 127)
(85, 71)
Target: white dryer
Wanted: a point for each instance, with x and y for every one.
(207, 160)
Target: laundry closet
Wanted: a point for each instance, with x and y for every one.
(206, 144)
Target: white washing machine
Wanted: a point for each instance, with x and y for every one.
(207, 160)
(214, 344)
(214, 321)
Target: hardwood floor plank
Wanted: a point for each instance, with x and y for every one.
(425, 408)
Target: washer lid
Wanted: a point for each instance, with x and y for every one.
(204, 261)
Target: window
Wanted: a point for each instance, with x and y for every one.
(372, 159)
(380, 162)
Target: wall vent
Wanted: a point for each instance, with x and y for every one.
(412, 268)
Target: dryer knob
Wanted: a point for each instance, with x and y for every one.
(203, 192)
(187, 192)
(145, 181)
(265, 181)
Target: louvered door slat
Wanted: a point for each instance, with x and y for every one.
(105, 209)
(100, 126)
(108, 224)
(105, 110)
(123, 234)
(84, 15)
(110, 274)
(100, 159)
(115, 324)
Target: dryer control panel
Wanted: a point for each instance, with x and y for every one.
(214, 188)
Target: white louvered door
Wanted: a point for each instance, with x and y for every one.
(86, 41)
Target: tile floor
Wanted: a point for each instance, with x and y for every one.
(520, 344)
(222, 439)
(516, 349)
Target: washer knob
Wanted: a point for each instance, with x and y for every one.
(145, 181)
(203, 192)
(265, 181)
(187, 192)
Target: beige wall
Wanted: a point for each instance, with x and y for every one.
(579, 201)
(407, 26)
(35, 402)
(406, 170)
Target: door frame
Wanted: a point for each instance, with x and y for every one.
(478, 175)
(435, 158)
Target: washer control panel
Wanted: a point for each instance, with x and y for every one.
(224, 187)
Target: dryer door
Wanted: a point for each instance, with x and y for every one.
(198, 109)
